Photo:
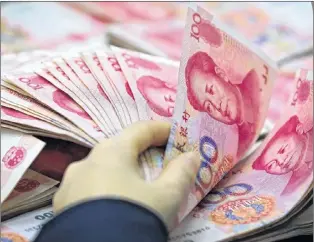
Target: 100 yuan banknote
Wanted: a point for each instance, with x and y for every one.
(268, 186)
(223, 94)
(25, 227)
(18, 151)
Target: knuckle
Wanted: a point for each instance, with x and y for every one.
(143, 126)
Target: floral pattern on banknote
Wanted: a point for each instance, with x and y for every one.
(14, 157)
(11, 236)
(243, 211)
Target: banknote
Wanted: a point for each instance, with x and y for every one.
(301, 223)
(13, 87)
(222, 98)
(27, 104)
(41, 200)
(39, 132)
(92, 94)
(292, 66)
(271, 31)
(37, 198)
(16, 60)
(14, 39)
(157, 158)
(10, 115)
(33, 21)
(6, 103)
(25, 228)
(153, 81)
(18, 151)
(266, 187)
(29, 186)
(25, 208)
(113, 70)
(265, 25)
(103, 97)
(162, 38)
(215, 7)
(57, 100)
(283, 86)
(58, 78)
(93, 63)
(128, 12)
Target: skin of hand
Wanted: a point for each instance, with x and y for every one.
(112, 170)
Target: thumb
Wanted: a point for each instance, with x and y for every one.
(175, 183)
(180, 173)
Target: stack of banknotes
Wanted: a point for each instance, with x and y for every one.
(217, 98)
(259, 23)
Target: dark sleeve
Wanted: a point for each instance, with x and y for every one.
(104, 220)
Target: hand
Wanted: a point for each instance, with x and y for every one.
(112, 170)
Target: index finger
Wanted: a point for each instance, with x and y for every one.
(143, 134)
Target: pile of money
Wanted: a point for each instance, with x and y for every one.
(127, 11)
(260, 23)
(217, 98)
(22, 26)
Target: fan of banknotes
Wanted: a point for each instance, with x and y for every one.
(216, 98)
